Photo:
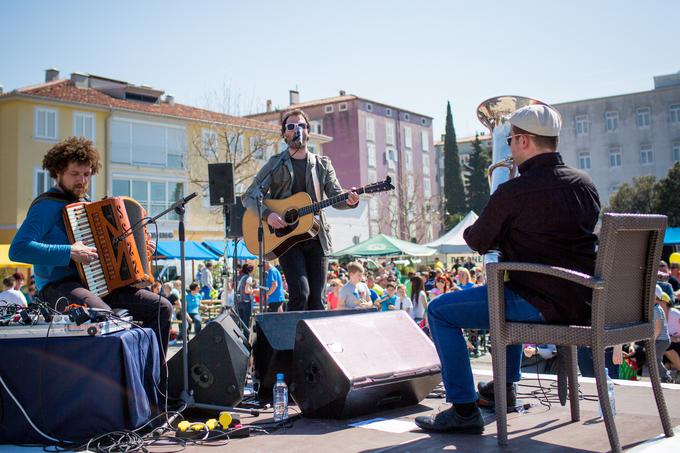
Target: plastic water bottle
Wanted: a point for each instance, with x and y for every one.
(610, 392)
(280, 399)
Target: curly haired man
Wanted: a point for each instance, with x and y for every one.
(42, 241)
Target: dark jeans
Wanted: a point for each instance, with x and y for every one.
(585, 362)
(195, 319)
(305, 267)
(244, 310)
(152, 310)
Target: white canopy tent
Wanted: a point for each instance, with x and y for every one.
(452, 241)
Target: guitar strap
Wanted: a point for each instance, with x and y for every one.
(315, 178)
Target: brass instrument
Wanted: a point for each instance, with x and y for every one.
(492, 113)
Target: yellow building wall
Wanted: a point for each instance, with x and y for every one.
(21, 154)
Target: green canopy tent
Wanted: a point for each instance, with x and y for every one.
(383, 245)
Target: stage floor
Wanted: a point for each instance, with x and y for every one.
(538, 429)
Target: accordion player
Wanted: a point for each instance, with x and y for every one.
(124, 258)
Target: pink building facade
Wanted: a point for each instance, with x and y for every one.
(373, 140)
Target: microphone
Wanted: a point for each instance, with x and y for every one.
(298, 134)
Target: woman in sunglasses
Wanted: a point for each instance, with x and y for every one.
(292, 171)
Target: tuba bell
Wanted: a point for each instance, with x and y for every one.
(492, 113)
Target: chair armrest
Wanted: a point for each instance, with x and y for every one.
(559, 272)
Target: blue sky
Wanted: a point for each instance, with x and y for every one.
(412, 54)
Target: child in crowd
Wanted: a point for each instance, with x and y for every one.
(388, 300)
(403, 302)
(193, 306)
(333, 296)
(355, 293)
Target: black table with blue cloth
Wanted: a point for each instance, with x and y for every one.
(74, 388)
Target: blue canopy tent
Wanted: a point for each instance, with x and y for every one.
(242, 252)
(192, 250)
(672, 236)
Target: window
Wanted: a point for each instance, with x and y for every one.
(407, 116)
(370, 151)
(389, 133)
(328, 109)
(259, 147)
(408, 160)
(584, 161)
(611, 121)
(674, 113)
(427, 188)
(311, 147)
(369, 107)
(408, 142)
(372, 176)
(84, 125)
(615, 157)
(388, 112)
(643, 117)
(46, 123)
(370, 129)
(646, 155)
(41, 181)
(316, 127)
(209, 143)
(410, 184)
(149, 144)
(581, 124)
(426, 164)
(155, 196)
(342, 107)
(425, 140)
(391, 157)
(373, 228)
(675, 152)
(235, 144)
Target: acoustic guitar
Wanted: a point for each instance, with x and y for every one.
(298, 212)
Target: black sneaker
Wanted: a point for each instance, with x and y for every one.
(452, 422)
(486, 398)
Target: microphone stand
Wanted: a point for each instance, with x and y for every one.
(186, 396)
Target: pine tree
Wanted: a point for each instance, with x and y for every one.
(477, 185)
(453, 181)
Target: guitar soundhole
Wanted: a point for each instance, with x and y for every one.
(291, 217)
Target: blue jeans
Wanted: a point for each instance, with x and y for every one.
(585, 362)
(451, 312)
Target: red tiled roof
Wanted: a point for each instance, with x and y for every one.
(64, 90)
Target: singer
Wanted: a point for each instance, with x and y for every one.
(42, 241)
(305, 264)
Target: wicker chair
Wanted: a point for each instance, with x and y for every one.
(622, 311)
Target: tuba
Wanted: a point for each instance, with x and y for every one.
(492, 113)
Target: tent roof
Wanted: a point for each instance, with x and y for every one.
(4, 258)
(383, 245)
(672, 236)
(242, 252)
(192, 250)
(452, 241)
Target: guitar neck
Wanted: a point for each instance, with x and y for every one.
(314, 207)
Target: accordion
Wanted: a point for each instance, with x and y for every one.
(123, 257)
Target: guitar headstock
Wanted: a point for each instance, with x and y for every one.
(380, 186)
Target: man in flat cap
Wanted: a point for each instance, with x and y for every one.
(546, 215)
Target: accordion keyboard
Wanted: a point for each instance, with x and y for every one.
(82, 231)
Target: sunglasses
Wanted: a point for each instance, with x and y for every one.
(292, 126)
(509, 138)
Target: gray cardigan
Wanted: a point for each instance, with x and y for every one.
(281, 185)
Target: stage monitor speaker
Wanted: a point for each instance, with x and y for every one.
(355, 365)
(218, 362)
(274, 342)
(221, 184)
(236, 219)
